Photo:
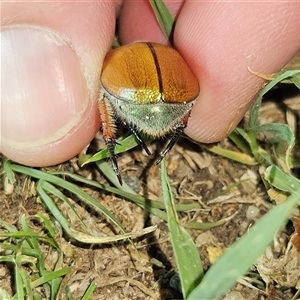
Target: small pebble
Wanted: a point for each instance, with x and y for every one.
(252, 212)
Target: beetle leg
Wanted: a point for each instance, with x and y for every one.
(138, 137)
(109, 132)
(177, 133)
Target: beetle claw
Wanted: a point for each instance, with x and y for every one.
(178, 131)
(139, 139)
(110, 143)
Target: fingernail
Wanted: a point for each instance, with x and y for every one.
(43, 88)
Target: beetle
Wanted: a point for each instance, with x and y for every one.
(151, 89)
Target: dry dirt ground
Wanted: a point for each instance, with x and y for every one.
(196, 176)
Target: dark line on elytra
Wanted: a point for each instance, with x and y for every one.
(160, 82)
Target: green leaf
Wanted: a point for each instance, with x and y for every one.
(276, 133)
(185, 251)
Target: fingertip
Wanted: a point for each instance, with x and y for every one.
(220, 41)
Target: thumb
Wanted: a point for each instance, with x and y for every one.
(52, 56)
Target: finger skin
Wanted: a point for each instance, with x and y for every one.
(137, 22)
(54, 53)
(220, 41)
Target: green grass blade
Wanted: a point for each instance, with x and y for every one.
(261, 156)
(164, 18)
(68, 186)
(122, 145)
(19, 282)
(296, 79)
(254, 113)
(4, 294)
(237, 259)
(50, 275)
(97, 206)
(205, 226)
(89, 292)
(47, 200)
(240, 143)
(27, 257)
(186, 253)
(26, 234)
(9, 172)
(281, 180)
(48, 226)
(233, 155)
(33, 242)
(143, 202)
(8, 227)
(56, 192)
(279, 134)
(111, 176)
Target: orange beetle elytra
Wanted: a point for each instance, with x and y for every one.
(151, 89)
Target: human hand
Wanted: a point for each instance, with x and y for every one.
(219, 41)
(50, 74)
